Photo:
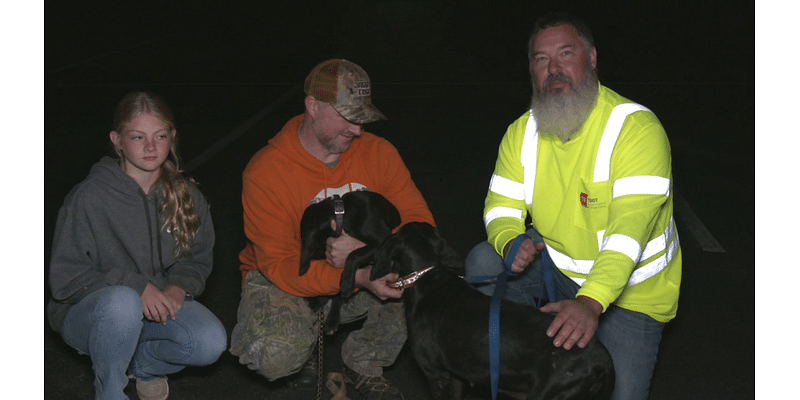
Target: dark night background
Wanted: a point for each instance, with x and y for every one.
(450, 76)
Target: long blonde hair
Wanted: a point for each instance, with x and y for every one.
(176, 211)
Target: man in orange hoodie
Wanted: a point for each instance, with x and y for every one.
(316, 155)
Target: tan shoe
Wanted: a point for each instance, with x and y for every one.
(371, 387)
(157, 389)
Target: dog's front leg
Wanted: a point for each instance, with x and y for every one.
(358, 258)
(441, 383)
(441, 389)
(334, 316)
(457, 388)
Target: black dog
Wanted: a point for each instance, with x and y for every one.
(366, 216)
(448, 331)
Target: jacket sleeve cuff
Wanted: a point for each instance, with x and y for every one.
(138, 283)
(594, 296)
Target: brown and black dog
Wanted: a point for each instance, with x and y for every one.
(449, 337)
(366, 216)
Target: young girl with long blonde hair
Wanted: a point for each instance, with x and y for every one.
(133, 246)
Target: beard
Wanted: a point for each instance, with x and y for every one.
(561, 115)
(335, 145)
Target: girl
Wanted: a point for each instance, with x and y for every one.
(132, 248)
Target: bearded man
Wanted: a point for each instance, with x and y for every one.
(592, 171)
(322, 153)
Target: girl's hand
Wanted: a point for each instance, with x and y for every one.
(176, 295)
(157, 307)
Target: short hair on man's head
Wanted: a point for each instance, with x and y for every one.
(561, 18)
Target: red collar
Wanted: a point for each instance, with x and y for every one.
(408, 280)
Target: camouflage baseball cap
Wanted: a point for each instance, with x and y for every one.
(346, 87)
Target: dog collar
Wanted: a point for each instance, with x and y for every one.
(408, 280)
(338, 212)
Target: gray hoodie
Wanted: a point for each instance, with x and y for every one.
(107, 234)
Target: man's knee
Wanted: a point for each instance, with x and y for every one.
(272, 353)
(483, 260)
(279, 359)
(632, 339)
(274, 334)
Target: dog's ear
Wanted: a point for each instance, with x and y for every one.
(357, 259)
(451, 260)
(314, 230)
(385, 262)
(448, 258)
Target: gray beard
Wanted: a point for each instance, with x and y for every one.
(560, 115)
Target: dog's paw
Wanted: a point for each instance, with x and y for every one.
(330, 328)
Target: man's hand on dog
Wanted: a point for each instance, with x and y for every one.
(525, 254)
(337, 249)
(336, 252)
(576, 321)
(379, 287)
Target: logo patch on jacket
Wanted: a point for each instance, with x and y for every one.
(589, 202)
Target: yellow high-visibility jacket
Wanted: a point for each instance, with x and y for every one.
(601, 201)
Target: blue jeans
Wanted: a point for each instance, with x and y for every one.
(631, 338)
(110, 327)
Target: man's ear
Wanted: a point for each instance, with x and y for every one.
(312, 106)
(593, 58)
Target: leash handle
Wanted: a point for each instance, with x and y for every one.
(512, 252)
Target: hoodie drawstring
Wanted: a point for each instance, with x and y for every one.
(157, 268)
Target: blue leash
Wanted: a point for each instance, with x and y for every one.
(548, 277)
(494, 315)
(496, 302)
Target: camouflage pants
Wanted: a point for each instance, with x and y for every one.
(276, 332)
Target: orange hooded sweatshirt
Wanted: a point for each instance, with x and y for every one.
(282, 179)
